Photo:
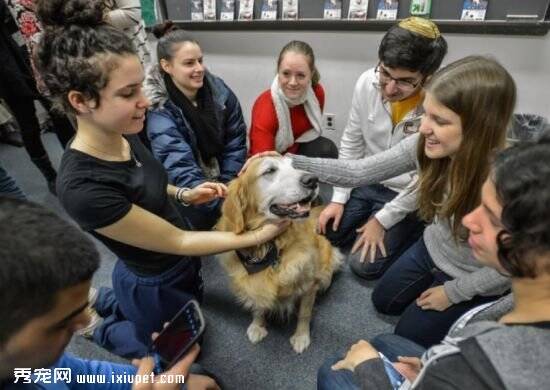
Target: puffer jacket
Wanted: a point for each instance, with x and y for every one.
(173, 140)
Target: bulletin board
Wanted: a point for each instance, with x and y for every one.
(515, 17)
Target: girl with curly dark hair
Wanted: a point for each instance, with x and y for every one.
(111, 185)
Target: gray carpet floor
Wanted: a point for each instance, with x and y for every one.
(343, 314)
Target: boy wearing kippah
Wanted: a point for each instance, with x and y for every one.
(386, 107)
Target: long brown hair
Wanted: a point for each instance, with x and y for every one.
(483, 94)
(306, 50)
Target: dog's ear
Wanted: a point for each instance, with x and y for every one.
(234, 207)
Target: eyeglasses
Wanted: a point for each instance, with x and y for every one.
(405, 85)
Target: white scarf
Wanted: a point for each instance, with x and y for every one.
(285, 137)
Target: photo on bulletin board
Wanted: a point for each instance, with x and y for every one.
(358, 9)
(148, 12)
(474, 10)
(421, 7)
(387, 9)
(290, 9)
(227, 11)
(246, 9)
(209, 9)
(333, 9)
(197, 10)
(269, 10)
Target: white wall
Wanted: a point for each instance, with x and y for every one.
(246, 61)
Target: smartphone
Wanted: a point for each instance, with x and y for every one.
(178, 336)
(394, 376)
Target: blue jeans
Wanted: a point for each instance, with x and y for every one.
(392, 346)
(138, 306)
(363, 203)
(327, 379)
(396, 292)
(8, 186)
(389, 344)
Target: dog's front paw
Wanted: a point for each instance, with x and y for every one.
(256, 333)
(300, 342)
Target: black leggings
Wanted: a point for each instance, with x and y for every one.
(24, 112)
(321, 147)
(63, 128)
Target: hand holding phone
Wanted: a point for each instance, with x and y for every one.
(178, 336)
(182, 367)
(394, 376)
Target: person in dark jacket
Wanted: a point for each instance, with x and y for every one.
(499, 345)
(44, 290)
(195, 126)
(18, 89)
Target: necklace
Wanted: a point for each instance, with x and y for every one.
(132, 155)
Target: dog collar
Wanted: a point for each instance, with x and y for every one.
(253, 264)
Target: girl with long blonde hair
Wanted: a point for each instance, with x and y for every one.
(467, 108)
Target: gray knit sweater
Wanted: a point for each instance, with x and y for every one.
(453, 258)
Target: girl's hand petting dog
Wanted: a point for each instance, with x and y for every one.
(204, 193)
(270, 230)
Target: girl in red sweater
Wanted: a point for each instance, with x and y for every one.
(288, 117)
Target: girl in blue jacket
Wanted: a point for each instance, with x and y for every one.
(195, 124)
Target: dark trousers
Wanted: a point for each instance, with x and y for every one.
(24, 113)
(200, 217)
(396, 293)
(392, 346)
(62, 126)
(327, 379)
(8, 186)
(364, 202)
(138, 306)
(320, 147)
(389, 344)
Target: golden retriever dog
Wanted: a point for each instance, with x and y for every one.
(289, 271)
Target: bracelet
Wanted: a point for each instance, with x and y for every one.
(179, 196)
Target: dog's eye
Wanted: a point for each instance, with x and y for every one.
(269, 171)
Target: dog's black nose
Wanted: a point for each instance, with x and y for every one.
(309, 181)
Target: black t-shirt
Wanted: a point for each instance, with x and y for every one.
(97, 193)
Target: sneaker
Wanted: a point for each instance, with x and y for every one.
(47, 126)
(9, 134)
(88, 330)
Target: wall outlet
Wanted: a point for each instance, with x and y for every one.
(329, 121)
